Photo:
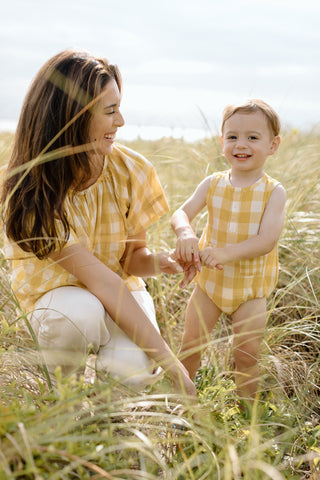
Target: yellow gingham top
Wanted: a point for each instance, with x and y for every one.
(234, 215)
(126, 199)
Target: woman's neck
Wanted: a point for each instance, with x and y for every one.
(96, 167)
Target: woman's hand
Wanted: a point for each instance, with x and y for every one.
(183, 384)
(190, 272)
(181, 380)
(166, 263)
(138, 260)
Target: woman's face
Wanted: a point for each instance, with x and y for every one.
(106, 119)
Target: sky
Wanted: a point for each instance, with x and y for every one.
(181, 61)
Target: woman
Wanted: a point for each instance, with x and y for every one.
(76, 206)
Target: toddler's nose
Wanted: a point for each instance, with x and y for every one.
(241, 143)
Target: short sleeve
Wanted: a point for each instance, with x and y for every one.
(148, 202)
(142, 197)
(12, 251)
(71, 240)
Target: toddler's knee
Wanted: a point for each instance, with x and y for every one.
(246, 357)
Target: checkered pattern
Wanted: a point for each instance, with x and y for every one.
(234, 215)
(125, 200)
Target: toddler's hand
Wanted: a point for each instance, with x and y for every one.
(187, 250)
(210, 258)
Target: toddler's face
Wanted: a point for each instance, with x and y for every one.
(247, 141)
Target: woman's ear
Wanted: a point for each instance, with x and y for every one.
(274, 145)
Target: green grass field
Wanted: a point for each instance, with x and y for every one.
(88, 430)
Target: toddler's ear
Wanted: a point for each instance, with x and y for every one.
(275, 144)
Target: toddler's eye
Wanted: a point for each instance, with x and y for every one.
(231, 137)
(253, 137)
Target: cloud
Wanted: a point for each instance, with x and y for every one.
(176, 56)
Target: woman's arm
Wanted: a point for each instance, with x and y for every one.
(138, 260)
(116, 298)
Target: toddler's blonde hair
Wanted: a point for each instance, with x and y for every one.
(251, 106)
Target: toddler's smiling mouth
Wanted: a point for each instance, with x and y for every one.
(242, 155)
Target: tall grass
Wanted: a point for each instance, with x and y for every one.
(84, 429)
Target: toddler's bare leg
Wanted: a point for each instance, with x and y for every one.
(201, 316)
(249, 322)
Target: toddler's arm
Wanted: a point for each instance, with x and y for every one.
(269, 232)
(187, 248)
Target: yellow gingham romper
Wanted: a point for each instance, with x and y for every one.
(234, 215)
(125, 199)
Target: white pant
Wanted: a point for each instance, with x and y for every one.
(67, 321)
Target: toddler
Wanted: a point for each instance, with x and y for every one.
(237, 255)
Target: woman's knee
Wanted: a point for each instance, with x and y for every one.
(70, 317)
(122, 357)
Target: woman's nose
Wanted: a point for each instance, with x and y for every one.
(119, 120)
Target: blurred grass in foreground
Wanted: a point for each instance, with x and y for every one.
(85, 430)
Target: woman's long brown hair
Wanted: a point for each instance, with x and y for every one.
(50, 148)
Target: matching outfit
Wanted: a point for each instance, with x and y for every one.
(234, 215)
(126, 199)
